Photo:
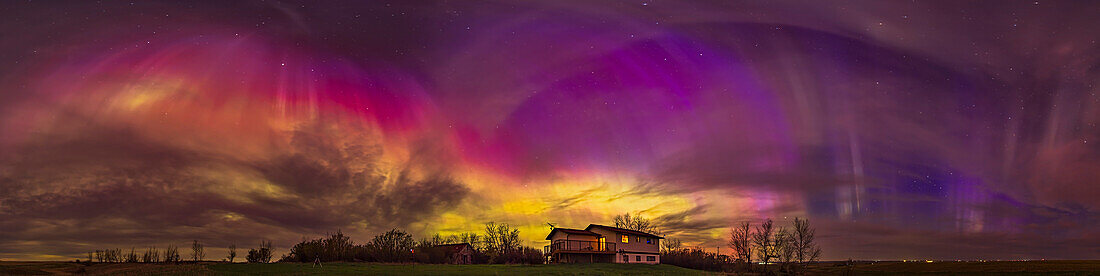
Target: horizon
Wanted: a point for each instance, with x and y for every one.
(938, 130)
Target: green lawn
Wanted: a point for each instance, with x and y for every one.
(425, 269)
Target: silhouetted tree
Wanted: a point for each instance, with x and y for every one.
(637, 223)
(150, 255)
(232, 252)
(132, 257)
(261, 255)
(393, 246)
(740, 242)
(500, 241)
(197, 253)
(671, 244)
(806, 249)
(762, 239)
(784, 247)
(171, 254)
(335, 247)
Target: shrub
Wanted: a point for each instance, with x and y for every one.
(336, 247)
(694, 259)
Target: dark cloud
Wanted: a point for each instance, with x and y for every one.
(89, 185)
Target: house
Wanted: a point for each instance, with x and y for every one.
(459, 253)
(602, 244)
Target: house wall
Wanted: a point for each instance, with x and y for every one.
(636, 247)
(564, 236)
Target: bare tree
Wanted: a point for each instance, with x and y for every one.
(637, 223)
(197, 253)
(739, 241)
(671, 245)
(471, 238)
(132, 257)
(171, 254)
(501, 238)
(232, 252)
(150, 255)
(762, 240)
(784, 245)
(806, 249)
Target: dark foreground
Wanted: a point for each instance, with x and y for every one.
(45, 268)
(866, 268)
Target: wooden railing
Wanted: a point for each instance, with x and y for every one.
(571, 245)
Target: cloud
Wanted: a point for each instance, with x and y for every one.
(85, 185)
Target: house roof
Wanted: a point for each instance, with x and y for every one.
(571, 232)
(621, 230)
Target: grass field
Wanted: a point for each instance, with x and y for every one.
(46, 268)
(863, 268)
(960, 268)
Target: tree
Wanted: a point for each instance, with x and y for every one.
(232, 252)
(171, 254)
(636, 223)
(393, 246)
(806, 249)
(784, 245)
(670, 245)
(132, 257)
(197, 253)
(501, 238)
(150, 255)
(740, 242)
(262, 255)
(470, 238)
(762, 240)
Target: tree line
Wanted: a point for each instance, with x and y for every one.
(171, 254)
(499, 243)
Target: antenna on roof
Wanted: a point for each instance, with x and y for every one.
(551, 225)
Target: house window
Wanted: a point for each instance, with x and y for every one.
(626, 239)
(637, 258)
(626, 258)
(651, 258)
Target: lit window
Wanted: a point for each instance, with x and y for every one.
(626, 239)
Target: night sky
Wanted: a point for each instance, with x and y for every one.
(901, 129)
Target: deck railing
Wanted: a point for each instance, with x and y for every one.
(571, 245)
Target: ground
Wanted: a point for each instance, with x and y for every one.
(44, 268)
(960, 268)
(863, 268)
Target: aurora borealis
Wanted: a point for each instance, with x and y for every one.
(901, 129)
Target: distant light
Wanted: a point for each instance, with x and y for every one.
(928, 261)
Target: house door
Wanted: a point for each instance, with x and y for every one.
(602, 245)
